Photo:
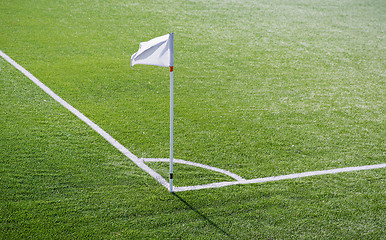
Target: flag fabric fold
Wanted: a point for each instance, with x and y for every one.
(158, 51)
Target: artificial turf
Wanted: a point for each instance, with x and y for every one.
(262, 88)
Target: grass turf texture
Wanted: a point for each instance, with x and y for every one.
(261, 89)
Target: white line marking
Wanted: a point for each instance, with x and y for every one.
(140, 163)
(278, 178)
(99, 130)
(232, 175)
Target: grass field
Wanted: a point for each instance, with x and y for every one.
(262, 88)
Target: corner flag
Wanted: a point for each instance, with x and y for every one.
(159, 52)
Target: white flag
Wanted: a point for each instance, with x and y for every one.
(158, 52)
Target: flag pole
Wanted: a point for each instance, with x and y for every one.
(154, 52)
(171, 113)
(171, 130)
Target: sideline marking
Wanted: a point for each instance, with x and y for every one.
(140, 162)
(82, 117)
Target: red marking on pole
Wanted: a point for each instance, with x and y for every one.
(171, 69)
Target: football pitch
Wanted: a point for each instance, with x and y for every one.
(262, 89)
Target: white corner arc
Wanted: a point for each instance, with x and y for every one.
(230, 174)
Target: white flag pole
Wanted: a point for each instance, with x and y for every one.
(154, 52)
(171, 130)
(171, 113)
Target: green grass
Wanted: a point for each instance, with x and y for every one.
(262, 88)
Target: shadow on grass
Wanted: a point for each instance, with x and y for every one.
(204, 217)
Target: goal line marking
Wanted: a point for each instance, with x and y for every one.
(141, 162)
(278, 178)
